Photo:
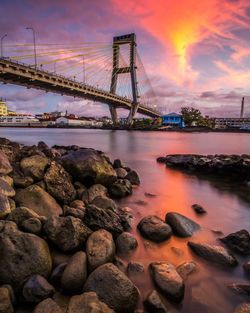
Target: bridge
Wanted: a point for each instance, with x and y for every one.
(115, 95)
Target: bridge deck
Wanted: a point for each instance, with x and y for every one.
(16, 73)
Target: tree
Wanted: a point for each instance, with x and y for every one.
(191, 116)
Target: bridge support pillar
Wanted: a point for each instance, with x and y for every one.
(113, 114)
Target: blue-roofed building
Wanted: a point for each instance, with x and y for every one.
(173, 119)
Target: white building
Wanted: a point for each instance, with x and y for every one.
(65, 121)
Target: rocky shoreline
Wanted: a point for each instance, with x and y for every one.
(63, 236)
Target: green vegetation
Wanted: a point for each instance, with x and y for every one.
(193, 117)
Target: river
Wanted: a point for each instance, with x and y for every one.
(175, 191)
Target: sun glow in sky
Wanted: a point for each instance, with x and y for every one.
(195, 52)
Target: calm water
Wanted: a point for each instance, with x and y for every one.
(175, 192)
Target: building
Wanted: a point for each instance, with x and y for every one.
(84, 122)
(173, 119)
(234, 122)
(3, 107)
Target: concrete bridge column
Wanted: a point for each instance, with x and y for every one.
(113, 114)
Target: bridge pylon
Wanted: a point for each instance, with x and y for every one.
(130, 40)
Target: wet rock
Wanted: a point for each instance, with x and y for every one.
(21, 214)
(78, 204)
(80, 190)
(126, 218)
(75, 273)
(186, 268)
(167, 280)
(246, 267)
(37, 289)
(32, 225)
(125, 243)
(5, 167)
(58, 184)
(199, 209)
(48, 306)
(240, 289)
(135, 268)
(56, 275)
(5, 301)
(7, 179)
(181, 225)
(149, 195)
(12, 204)
(67, 233)
(117, 163)
(87, 302)
(118, 262)
(94, 191)
(42, 145)
(242, 308)
(96, 218)
(155, 229)
(59, 257)
(104, 203)
(37, 199)
(212, 253)
(6, 189)
(4, 206)
(100, 248)
(22, 255)
(120, 188)
(22, 181)
(34, 166)
(154, 303)
(122, 298)
(238, 242)
(133, 177)
(161, 160)
(77, 213)
(121, 172)
(89, 167)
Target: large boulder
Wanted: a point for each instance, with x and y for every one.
(5, 301)
(22, 255)
(87, 302)
(213, 253)
(58, 183)
(48, 306)
(167, 280)
(155, 229)
(34, 166)
(75, 273)
(239, 242)
(89, 167)
(96, 218)
(120, 188)
(67, 233)
(133, 177)
(36, 289)
(113, 287)
(181, 225)
(37, 199)
(125, 243)
(100, 248)
(5, 167)
(104, 203)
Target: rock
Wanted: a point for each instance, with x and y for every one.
(5, 297)
(177, 251)
(186, 268)
(67, 233)
(5, 167)
(96, 218)
(80, 190)
(6, 189)
(22, 255)
(133, 177)
(7, 179)
(37, 289)
(48, 306)
(121, 172)
(118, 262)
(117, 163)
(154, 304)
(58, 184)
(238, 242)
(126, 218)
(242, 308)
(22, 181)
(34, 166)
(78, 213)
(75, 273)
(113, 287)
(57, 273)
(246, 267)
(78, 204)
(153, 228)
(94, 191)
(87, 302)
(212, 253)
(89, 167)
(240, 289)
(104, 203)
(32, 225)
(59, 257)
(4, 206)
(12, 204)
(120, 188)
(199, 209)
(149, 195)
(161, 160)
(100, 248)
(125, 243)
(135, 268)
(37, 199)
(21, 214)
(181, 225)
(167, 280)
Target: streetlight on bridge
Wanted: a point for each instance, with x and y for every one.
(34, 42)
(2, 38)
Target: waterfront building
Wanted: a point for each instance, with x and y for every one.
(173, 119)
(19, 120)
(70, 121)
(234, 122)
(3, 107)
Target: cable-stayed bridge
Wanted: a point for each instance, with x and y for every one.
(112, 74)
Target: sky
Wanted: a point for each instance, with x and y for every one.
(195, 53)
